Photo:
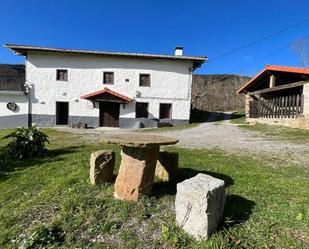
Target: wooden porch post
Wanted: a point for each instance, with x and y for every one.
(272, 81)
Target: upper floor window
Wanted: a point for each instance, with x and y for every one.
(144, 80)
(108, 78)
(165, 111)
(141, 110)
(62, 75)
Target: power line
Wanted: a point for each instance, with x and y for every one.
(268, 55)
(258, 40)
(263, 57)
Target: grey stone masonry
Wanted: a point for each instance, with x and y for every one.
(199, 205)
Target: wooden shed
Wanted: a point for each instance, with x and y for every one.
(278, 95)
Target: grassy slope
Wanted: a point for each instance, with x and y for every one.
(265, 208)
(283, 133)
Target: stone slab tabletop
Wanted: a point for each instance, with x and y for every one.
(139, 140)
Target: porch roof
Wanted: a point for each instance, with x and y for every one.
(274, 69)
(106, 93)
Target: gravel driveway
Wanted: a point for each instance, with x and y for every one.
(228, 137)
(231, 138)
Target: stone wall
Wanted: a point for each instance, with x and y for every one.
(248, 100)
(300, 123)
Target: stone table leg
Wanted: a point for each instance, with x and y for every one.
(136, 173)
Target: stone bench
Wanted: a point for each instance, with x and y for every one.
(167, 166)
(199, 205)
(102, 164)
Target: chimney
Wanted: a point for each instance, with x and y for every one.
(179, 51)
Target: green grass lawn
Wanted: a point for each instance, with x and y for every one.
(280, 132)
(266, 207)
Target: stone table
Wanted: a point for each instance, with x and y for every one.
(139, 155)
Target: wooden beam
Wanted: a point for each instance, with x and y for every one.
(272, 81)
(277, 88)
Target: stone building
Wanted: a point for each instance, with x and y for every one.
(278, 95)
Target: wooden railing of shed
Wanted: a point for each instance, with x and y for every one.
(280, 107)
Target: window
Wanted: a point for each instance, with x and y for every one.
(165, 111)
(144, 80)
(108, 78)
(141, 110)
(62, 74)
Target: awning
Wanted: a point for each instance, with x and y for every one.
(106, 94)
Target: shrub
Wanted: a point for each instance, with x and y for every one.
(26, 143)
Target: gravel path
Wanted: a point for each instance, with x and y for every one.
(228, 137)
(231, 138)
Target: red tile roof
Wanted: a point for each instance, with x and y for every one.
(108, 91)
(275, 68)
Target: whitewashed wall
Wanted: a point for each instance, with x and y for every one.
(170, 83)
(12, 119)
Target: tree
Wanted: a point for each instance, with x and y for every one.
(301, 47)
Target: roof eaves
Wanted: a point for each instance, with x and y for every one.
(22, 49)
(277, 69)
(253, 79)
(106, 90)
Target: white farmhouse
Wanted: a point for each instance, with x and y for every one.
(96, 88)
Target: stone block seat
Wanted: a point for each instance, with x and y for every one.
(102, 164)
(167, 166)
(199, 205)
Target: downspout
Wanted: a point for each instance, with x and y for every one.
(190, 85)
(28, 92)
(29, 109)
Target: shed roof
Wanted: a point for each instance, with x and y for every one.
(273, 68)
(12, 77)
(24, 49)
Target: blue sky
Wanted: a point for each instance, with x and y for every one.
(209, 28)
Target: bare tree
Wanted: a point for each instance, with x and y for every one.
(217, 92)
(301, 47)
(198, 92)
